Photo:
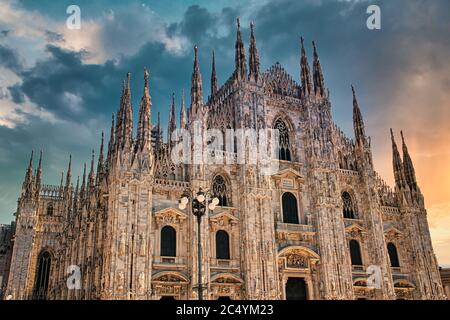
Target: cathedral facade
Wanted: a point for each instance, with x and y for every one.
(324, 225)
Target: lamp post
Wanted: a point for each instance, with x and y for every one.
(198, 205)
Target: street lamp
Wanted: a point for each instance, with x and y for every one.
(198, 205)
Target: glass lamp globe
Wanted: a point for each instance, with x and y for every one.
(201, 198)
(211, 206)
(215, 201)
(184, 200)
(182, 206)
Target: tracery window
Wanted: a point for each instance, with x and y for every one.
(42, 276)
(222, 245)
(220, 190)
(348, 209)
(284, 152)
(290, 208)
(355, 253)
(393, 255)
(168, 242)
(50, 209)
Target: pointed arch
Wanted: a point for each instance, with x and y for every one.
(168, 242)
(355, 253)
(393, 255)
(290, 208)
(50, 209)
(222, 245)
(42, 279)
(221, 189)
(349, 210)
(285, 128)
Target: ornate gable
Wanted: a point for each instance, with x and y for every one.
(278, 81)
(392, 234)
(223, 219)
(170, 216)
(288, 179)
(355, 231)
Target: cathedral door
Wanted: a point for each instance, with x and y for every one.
(296, 289)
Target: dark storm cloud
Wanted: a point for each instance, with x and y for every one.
(4, 33)
(9, 58)
(53, 37)
(65, 86)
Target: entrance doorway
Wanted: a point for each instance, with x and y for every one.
(296, 289)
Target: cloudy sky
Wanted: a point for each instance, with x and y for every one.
(58, 87)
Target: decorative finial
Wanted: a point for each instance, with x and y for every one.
(146, 74)
(238, 23)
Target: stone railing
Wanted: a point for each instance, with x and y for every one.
(346, 172)
(224, 263)
(169, 260)
(390, 210)
(172, 183)
(53, 192)
(290, 227)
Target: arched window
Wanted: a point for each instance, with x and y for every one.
(50, 209)
(42, 276)
(355, 253)
(348, 209)
(284, 148)
(290, 209)
(219, 189)
(222, 245)
(168, 242)
(393, 256)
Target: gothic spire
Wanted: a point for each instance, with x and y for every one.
(101, 160)
(39, 174)
(128, 116)
(69, 173)
(91, 180)
(196, 86)
(120, 121)
(83, 184)
(408, 167)
(183, 120)
(27, 186)
(75, 197)
(124, 125)
(319, 85)
(397, 164)
(172, 126)
(305, 74)
(61, 183)
(240, 71)
(254, 56)
(111, 141)
(213, 76)
(144, 127)
(358, 123)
